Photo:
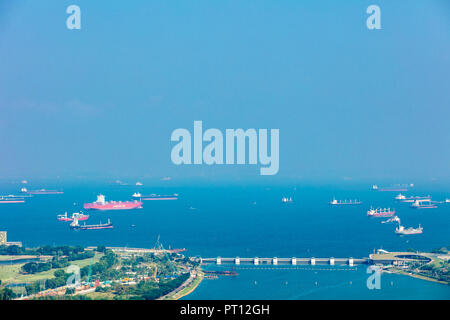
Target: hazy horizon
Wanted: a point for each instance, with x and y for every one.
(102, 102)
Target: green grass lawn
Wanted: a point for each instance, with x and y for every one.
(11, 273)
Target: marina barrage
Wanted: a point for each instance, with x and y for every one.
(213, 153)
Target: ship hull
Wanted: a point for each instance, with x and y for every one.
(381, 214)
(92, 227)
(425, 207)
(113, 206)
(43, 192)
(408, 233)
(161, 198)
(12, 201)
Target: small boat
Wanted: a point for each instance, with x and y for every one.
(286, 200)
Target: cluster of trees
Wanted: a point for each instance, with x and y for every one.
(73, 253)
(6, 294)
(56, 262)
(442, 250)
(102, 267)
(440, 271)
(59, 280)
(14, 250)
(149, 290)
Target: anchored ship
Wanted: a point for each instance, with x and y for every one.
(393, 219)
(286, 200)
(424, 204)
(402, 198)
(101, 204)
(380, 212)
(11, 199)
(335, 202)
(401, 230)
(399, 188)
(76, 215)
(40, 191)
(155, 196)
(76, 226)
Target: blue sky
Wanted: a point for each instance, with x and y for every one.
(103, 100)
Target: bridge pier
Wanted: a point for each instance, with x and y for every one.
(294, 261)
(332, 261)
(275, 261)
(219, 260)
(256, 261)
(237, 260)
(350, 262)
(313, 261)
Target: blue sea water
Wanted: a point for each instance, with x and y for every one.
(247, 220)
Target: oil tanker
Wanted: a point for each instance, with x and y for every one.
(76, 226)
(402, 198)
(9, 199)
(103, 205)
(155, 196)
(40, 191)
(398, 188)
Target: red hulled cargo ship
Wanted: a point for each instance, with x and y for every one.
(78, 215)
(101, 204)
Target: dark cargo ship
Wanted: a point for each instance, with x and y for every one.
(76, 226)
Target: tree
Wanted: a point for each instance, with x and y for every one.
(6, 294)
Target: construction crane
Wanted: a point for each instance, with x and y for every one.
(159, 246)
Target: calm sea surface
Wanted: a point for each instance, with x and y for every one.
(248, 221)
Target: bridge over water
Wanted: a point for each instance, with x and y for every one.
(285, 261)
